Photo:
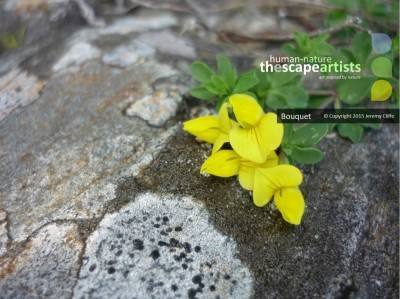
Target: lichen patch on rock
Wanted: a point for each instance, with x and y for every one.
(161, 247)
(155, 108)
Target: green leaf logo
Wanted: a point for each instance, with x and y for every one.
(382, 67)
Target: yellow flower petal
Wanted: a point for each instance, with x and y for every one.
(271, 131)
(205, 128)
(247, 110)
(256, 143)
(246, 142)
(246, 175)
(219, 142)
(247, 170)
(269, 180)
(272, 160)
(224, 163)
(263, 190)
(290, 203)
(225, 123)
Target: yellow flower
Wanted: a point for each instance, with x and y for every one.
(227, 163)
(280, 182)
(258, 133)
(212, 129)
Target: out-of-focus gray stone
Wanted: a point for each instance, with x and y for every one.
(157, 108)
(161, 247)
(47, 267)
(169, 43)
(77, 54)
(126, 26)
(20, 6)
(4, 240)
(18, 89)
(126, 55)
(139, 24)
(248, 22)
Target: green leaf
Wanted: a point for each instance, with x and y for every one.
(279, 79)
(309, 134)
(372, 125)
(291, 49)
(246, 81)
(306, 46)
(335, 17)
(331, 127)
(346, 55)
(306, 155)
(382, 67)
(289, 96)
(352, 131)
(201, 71)
(296, 97)
(302, 39)
(288, 132)
(226, 70)
(353, 91)
(219, 83)
(201, 93)
(281, 90)
(212, 88)
(287, 149)
(252, 94)
(361, 47)
(316, 101)
(320, 45)
(275, 101)
(395, 45)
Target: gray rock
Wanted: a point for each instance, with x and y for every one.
(47, 267)
(18, 89)
(4, 239)
(161, 247)
(139, 24)
(169, 43)
(69, 149)
(20, 6)
(76, 55)
(126, 55)
(157, 108)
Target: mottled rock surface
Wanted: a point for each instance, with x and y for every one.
(4, 239)
(100, 190)
(18, 89)
(161, 247)
(47, 266)
(155, 108)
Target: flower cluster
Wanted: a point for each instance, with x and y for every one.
(254, 137)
